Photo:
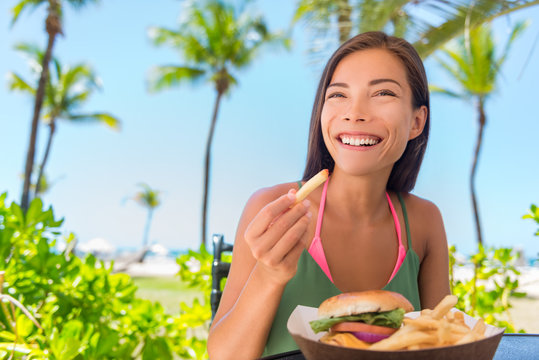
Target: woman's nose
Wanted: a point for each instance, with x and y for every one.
(357, 111)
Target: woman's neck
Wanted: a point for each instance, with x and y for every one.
(358, 197)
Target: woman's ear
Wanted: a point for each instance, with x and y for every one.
(418, 122)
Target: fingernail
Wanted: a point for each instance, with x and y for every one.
(309, 214)
(306, 203)
(291, 195)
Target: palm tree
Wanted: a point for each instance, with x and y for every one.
(319, 15)
(66, 91)
(149, 199)
(474, 64)
(215, 40)
(53, 26)
(404, 18)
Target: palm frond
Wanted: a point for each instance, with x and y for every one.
(33, 55)
(17, 83)
(455, 64)
(73, 101)
(515, 33)
(79, 74)
(314, 11)
(164, 77)
(438, 89)
(482, 11)
(376, 15)
(147, 197)
(161, 36)
(22, 5)
(77, 4)
(105, 118)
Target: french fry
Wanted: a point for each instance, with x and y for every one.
(312, 184)
(469, 337)
(459, 317)
(479, 328)
(402, 342)
(433, 328)
(422, 323)
(444, 306)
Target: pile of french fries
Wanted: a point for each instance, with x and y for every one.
(433, 328)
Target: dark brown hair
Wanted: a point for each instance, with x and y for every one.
(404, 173)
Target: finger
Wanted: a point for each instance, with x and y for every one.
(289, 241)
(286, 220)
(268, 213)
(263, 245)
(292, 258)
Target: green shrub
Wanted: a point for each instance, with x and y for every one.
(534, 215)
(81, 310)
(488, 292)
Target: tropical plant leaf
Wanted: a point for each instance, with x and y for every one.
(105, 118)
(16, 82)
(21, 6)
(163, 77)
(515, 32)
(466, 16)
(437, 89)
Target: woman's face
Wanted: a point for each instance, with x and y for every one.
(367, 117)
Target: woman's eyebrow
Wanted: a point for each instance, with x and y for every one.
(378, 81)
(345, 85)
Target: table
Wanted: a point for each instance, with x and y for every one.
(512, 346)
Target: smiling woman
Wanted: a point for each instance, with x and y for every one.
(360, 91)
(369, 127)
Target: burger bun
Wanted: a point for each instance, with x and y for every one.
(354, 303)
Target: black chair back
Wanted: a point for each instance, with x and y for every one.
(219, 270)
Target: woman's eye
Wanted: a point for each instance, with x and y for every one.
(385, 93)
(335, 95)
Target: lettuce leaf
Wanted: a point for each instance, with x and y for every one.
(392, 319)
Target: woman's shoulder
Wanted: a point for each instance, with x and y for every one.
(426, 224)
(419, 207)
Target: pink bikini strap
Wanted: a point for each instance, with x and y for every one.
(395, 219)
(402, 251)
(316, 250)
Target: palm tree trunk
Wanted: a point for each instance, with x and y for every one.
(344, 20)
(207, 165)
(52, 128)
(147, 228)
(53, 28)
(40, 94)
(482, 122)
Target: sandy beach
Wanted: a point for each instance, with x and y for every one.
(525, 311)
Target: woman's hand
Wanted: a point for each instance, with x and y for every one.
(276, 238)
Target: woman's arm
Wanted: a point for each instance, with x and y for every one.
(434, 269)
(269, 242)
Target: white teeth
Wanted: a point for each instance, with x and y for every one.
(358, 141)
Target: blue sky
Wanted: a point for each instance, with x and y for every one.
(261, 135)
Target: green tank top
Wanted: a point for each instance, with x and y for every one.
(310, 286)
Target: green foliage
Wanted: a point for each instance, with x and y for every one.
(534, 215)
(195, 270)
(81, 309)
(494, 282)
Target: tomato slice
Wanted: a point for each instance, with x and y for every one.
(359, 326)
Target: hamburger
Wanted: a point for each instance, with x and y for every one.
(358, 319)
